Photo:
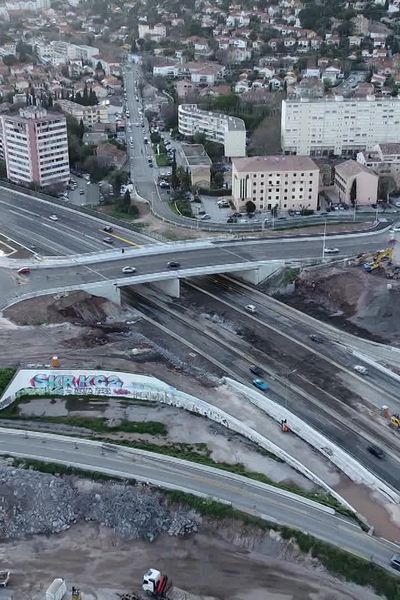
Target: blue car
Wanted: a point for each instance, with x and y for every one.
(260, 384)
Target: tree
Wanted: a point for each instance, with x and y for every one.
(81, 129)
(95, 170)
(9, 60)
(250, 207)
(174, 176)
(117, 179)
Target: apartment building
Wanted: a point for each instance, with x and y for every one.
(287, 182)
(356, 184)
(383, 159)
(337, 125)
(90, 115)
(217, 127)
(156, 33)
(35, 146)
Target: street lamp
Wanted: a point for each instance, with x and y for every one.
(287, 379)
(324, 243)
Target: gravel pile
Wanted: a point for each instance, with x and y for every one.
(32, 502)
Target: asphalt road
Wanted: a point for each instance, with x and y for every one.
(27, 222)
(142, 175)
(214, 254)
(172, 473)
(310, 386)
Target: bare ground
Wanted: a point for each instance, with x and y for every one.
(109, 346)
(350, 298)
(224, 560)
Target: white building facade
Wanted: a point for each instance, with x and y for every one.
(337, 125)
(217, 127)
(35, 147)
(285, 182)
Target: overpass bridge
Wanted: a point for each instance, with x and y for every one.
(101, 273)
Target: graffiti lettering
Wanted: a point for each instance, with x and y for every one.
(81, 382)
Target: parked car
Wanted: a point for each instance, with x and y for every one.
(53, 218)
(108, 240)
(205, 217)
(331, 250)
(395, 562)
(256, 370)
(376, 451)
(172, 264)
(129, 269)
(260, 384)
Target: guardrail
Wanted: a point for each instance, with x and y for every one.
(346, 463)
(173, 397)
(194, 224)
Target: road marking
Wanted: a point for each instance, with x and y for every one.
(120, 238)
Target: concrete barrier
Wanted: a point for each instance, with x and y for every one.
(150, 388)
(346, 463)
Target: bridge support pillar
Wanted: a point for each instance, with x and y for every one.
(170, 287)
(257, 275)
(107, 290)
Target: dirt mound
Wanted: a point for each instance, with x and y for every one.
(75, 307)
(350, 296)
(338, 290)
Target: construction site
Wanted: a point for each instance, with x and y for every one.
(360, 295)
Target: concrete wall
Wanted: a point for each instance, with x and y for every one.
(129, 385)
(346, 463)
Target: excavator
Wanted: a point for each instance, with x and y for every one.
(378, 257)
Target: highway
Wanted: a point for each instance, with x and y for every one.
(108, 268)
(242, 493)
(319, 391)
(27, 222)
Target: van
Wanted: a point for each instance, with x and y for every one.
(250, 308)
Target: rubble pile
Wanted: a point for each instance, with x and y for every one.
(38, 503)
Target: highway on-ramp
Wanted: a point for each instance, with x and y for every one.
(254, 497)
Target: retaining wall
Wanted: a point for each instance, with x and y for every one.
(346, 463)
(150, 388)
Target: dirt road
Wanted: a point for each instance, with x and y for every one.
(233, 564)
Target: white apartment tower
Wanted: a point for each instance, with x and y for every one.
(337, 125)
(217, 127)
(35, 146)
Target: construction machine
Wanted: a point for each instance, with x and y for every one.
(156, 584)
(378, 257)
(395, 422)
(76, 594)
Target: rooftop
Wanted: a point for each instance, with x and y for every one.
(338, 98)
(195, 154)
(350, 168)
(389, 148)
(232, 123)
(274, 163)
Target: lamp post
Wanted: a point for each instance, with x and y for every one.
(324, 243)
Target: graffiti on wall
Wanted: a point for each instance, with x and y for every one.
(93, 384)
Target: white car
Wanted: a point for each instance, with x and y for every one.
(128, 270)
(53, 218)
(360, 369)
(250, 308)
(331, 250)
